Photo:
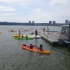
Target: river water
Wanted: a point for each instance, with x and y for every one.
(13, 57)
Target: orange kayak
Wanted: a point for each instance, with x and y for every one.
(36, 50)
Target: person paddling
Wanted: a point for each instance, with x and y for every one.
(41, 47)
(31, 46)
(26, 37)
(22, 36)
(19, 34)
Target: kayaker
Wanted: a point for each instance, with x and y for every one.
(22, 36)
(31, 46)
(19, 34)
(36, 33)
(26, 37)
(41, 47)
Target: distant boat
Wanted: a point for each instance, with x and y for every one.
(12, 31)
(0, 32)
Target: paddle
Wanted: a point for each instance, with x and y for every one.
(36, 46)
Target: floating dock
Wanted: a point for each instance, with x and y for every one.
(54, 38)
(58, 38)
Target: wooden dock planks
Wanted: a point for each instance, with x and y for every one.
(53, 37)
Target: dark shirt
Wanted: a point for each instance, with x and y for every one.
(31, 46)
(41, 49)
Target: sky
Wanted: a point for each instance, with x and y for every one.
(41, 11)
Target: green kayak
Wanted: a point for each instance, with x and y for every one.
(29, 38)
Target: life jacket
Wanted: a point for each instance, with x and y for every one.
(31, 46)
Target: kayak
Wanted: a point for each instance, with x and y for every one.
(36, 50)
(17, 38)
(16, 35)
(30, 36)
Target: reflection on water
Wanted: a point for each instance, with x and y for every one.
(13, 57)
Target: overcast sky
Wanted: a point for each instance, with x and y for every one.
(34, 10)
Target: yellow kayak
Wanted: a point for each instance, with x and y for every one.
(16, 35)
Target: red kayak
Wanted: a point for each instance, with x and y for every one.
(36, 50)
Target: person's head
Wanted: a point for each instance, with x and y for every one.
(41, 45)
(30, 44)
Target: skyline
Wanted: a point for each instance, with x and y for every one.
(34, 10)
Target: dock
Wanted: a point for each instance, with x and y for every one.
(54, 38)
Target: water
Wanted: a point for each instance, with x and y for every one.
(13, 57)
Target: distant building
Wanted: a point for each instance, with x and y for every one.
(29, 21)
(50, 22)
(32, 21)
(66, 22)
(54, 22)
(69, 22)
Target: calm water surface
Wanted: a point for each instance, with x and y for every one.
(13, 57)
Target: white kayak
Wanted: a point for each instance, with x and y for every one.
(32, 36)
